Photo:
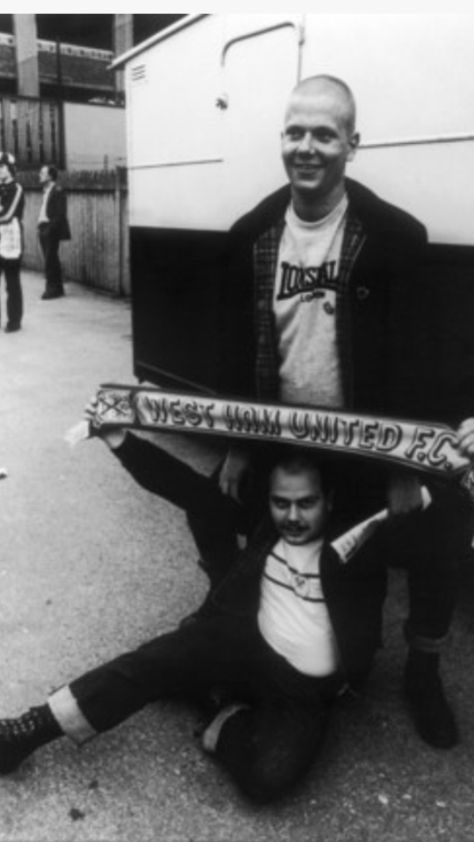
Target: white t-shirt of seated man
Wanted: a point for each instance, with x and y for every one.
(293, 616)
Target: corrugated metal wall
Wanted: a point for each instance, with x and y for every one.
(98, 253)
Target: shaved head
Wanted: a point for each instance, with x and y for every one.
(318, 140)
(334, 89)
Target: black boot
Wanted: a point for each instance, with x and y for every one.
(433, 718)
(20, 737)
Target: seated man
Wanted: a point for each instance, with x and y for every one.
(429, 542)
(286, 627)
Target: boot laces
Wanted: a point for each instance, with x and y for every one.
(22, 727)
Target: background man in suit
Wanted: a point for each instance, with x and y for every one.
(53, 226)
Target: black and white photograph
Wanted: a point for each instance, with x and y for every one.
(237, 405)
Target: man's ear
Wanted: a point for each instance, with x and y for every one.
(354, 141)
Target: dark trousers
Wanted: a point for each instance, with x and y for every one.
(11, 270)
(268, 746)
(52, 268)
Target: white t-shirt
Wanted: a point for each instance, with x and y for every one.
(43, 216)
(293, 616)
(304, 304)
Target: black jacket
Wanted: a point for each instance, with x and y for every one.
(56, 211)
(354, 593)
(392, 331)
(12, 201)
(354, 590)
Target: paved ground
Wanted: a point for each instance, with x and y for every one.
(91, 565)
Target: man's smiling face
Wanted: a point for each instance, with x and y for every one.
(299, 504)
(317, 142)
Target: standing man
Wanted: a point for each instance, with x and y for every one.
(317, 311)
(11, 239)
(53, 226)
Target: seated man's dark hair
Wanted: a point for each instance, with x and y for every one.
(295, 459)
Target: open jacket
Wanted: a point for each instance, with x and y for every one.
(56, 211)
(383, 264)
(354, 590)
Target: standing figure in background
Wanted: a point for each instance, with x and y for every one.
(11, 239)
(53, 226)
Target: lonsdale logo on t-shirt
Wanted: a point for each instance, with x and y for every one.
(295, 280)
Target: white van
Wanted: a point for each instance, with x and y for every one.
(205, 101)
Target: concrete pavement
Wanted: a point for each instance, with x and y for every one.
(91, 565)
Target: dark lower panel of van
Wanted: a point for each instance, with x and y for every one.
(441, 314)
(176, 277)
